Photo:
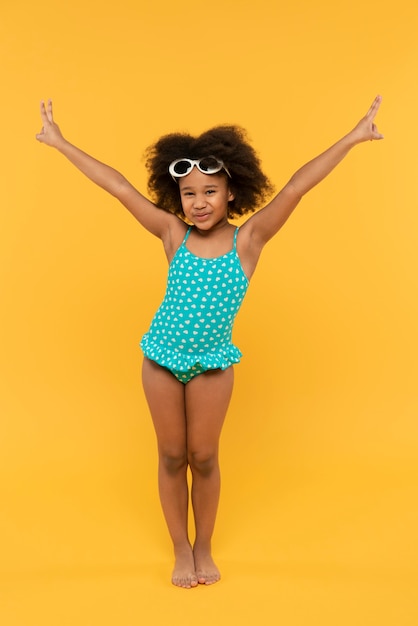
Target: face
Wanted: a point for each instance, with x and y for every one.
(204, 198)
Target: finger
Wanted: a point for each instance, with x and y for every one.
(46, 112)
(375, 133)
(49, 111)
(371, 113)
(43, 112)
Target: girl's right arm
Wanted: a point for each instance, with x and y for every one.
(155, 220)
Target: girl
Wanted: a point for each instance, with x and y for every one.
(198, 184)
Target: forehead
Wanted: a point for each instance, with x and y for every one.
(198, 179)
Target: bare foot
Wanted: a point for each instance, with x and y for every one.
(184, 574)
(206, 571)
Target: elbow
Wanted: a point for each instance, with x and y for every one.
(118, 185)
(294, 191)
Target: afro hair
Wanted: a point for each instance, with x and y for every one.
(250, 185)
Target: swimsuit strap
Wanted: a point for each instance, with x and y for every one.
(186, 236)
(235, 237)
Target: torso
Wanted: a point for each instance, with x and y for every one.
(193, 325)
(213, 244)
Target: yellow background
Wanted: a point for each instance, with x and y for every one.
(318, 517)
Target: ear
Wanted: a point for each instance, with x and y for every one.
(231, 195)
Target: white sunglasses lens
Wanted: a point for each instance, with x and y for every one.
(209, 165)
(182, 167)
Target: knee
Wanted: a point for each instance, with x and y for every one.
(203, 463)
(173, 462)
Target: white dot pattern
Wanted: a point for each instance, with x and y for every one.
(191, 331)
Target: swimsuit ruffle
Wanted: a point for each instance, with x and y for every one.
(223, 357)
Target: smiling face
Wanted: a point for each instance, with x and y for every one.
(204, 198)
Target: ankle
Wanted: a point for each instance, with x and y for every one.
(202, 545)
(182, 546)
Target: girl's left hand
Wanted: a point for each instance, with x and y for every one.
(366, 129)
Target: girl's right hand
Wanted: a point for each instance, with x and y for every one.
(50, 133)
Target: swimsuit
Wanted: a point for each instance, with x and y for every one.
(191, 331)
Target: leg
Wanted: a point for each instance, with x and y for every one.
(207, 400)
(165, 396)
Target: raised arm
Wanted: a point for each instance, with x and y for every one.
(152, 218)
(266, 223)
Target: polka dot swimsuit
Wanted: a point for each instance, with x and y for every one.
(191, 331)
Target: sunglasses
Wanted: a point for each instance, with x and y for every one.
(206, 165)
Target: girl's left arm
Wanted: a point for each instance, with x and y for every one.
(267, 222)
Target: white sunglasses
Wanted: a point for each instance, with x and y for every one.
(206, 165)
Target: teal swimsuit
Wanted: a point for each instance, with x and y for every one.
(191, 331)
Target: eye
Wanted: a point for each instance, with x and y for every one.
(210, 191)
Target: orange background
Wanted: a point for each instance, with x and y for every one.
(318, 516)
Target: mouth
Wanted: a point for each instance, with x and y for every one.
(201, 216)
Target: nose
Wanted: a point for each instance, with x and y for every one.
(199, 202)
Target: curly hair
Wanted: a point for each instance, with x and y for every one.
(249, 184)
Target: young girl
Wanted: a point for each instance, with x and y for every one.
(198, 184)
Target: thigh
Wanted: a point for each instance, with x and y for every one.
(166, 401)
(207, 399)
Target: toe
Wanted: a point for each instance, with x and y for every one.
(185, 582)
